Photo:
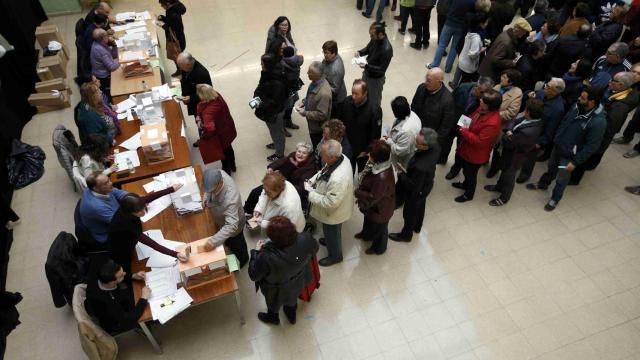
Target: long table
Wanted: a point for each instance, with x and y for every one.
(185, 228)
(174, 121)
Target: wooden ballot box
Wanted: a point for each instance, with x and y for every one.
(156, 144)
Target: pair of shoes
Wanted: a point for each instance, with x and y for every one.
(271, 146)
(462, 198)
(322, 242)
(631, 153)
(450, 175)
(492, 188)
(359, 236)
(522, 179)
(497, 202)
(365, 15)
(176, 74)
(635, 190)
(620, 140)
(398, 237)
(401, 31)
(458, 185)
(370, 251)
(425, 44)
(269, 318)
(328, 261)
(287, 133)
(416, 45)
(536, 186)
(551, 205)
(291, 125)
(274, 157)
(491, 173)
(195, 144)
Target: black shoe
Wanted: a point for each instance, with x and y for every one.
(398, 237)
(551, 205)
(287, 133)
(365, 15)
(536, 186)
(370, 251)
(425, 45)
(458, 185)
(322, 242)
(450, 175)
(522, 179)
(416, 46)
(411, 30)
(291, 126)
(271, 146)
(290, 313)
(274, 157)
(462, 198)
(269, 318)
(492, 188)
(497, 202)
(328, 261)
(401, 31)
(491, 173)
(195, 144)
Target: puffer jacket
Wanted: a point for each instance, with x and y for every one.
(332, 199)
(287, 204)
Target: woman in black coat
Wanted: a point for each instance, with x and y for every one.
(280, 30)
(280, 268)
(172, 19)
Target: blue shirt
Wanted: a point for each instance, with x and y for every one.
(96, 211)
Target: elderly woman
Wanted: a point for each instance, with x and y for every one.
(91, 117)
(280, 268)
(402, 135)
(94, 154)
(296, 168)
(216, 127)
(104, 59)
(510, 107)
(280, 30)
(278, 198)
(333, 129)
(376, 197)
(476, 142)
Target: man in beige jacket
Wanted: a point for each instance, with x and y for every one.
(316, 107)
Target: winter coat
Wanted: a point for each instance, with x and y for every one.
(525, 135)
(603, 36)
(272, 90)
(566, 50)
(62, 268)
(436, 111)
(332, 199)
(287, 204)
(617, 112)
(334, 73)
(198, 75)
(417, 181)
(173, 21)
(376, 194)
(510, 107)
(66, 148)
(402, 139)
(363, 123)
(226, 208)
(318, 106)
(282, 273)
(470, 56)
(552, 114)
(500, 15)
(477, 141)
(218, 127)
(295, 175)
(90, 122)
(379, 54)
(579, 136)
(573, 89)
(603, 71)
(273, 35)
(571, 26)
(499, 56)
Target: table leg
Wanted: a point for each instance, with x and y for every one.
(150, 337)
(239, 305)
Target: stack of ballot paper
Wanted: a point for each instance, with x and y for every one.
(187, 199)
(126, 104)
(165, 308)
(161, 282)
(124, 16)
(464, 121)
(156, 207)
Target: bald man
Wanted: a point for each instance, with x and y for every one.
(104, 9)
(193, 73)
(434, 104)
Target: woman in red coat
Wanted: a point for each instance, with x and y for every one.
(216, 127)
(476, 142)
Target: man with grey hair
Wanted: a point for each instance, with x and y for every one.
(193, 73)
(609, 64)
(316, 106)
(104, 59)
(620, 98)
(415, 183)
(331, 198)
(222, 198)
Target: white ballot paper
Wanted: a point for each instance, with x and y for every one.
(121, 159)
(164, 309)
(145, 15)
(132, 143)
(163, 91)
(156, 207)
(126, 104)
(464, 121)
(161, 283)
(359, 60)
(119, 43)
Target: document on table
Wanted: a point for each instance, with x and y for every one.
(164, 93)
(155, 185)
(126, 104)
(132, 143)
(118, 28)
(164, 309)
(161, 283)
(136, 30)
(125, 16)
(131, 55)
(145, 15)
(156, 207)
(121, 159)
(136, 24)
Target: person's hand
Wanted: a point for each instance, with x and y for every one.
(114, 167)
(113, 143)
(259, 244)
(307, 186)
(183, 257)
(185, 99)
(257, 214)
(114, 108)
(140, 275)
(111, 32)
(208, 246)
(176, 186)
(146, 293)
(570, 167)
(111, 157)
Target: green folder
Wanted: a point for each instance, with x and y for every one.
(233, 263)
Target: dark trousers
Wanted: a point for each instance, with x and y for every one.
(333, 238)
(457, 165)
(507, 181)
(238, 247)
(470, 172)
(229, 161)
(496, 157)
(446, 145)
(105, 87)
(632, 127)
(361, 162)
(560, 175)
(413, 215)
(421, 18)
(377, 233)
(252, 200)
(315, 140)
(405, 12)
(359, 4)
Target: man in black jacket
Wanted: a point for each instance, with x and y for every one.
(433, 103)
(379, 53)
(568, 49)
(193, 73)
(363, 121)
(112, 304)
(518, 141)
(415, 184)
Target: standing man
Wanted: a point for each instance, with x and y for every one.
(193, 73)
(421, 18)
(609, 64)
(379, 53)
(331, 198)
(223, 199)
(502, 52)
(363, 121)
(578, 137)
(333, 70)
(415, 183)
(102, 8)
(454, 28)
(316, 106)
(433, 103)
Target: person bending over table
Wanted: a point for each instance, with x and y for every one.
(111, 303)
(278, 198)
(222, 197)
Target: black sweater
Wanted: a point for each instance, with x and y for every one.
(114, 309)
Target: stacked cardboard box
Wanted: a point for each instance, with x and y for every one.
(52, 92)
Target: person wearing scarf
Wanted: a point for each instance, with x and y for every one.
(375, 197)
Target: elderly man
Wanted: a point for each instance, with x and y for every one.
(578, 137)
(104, 59)
(620, 99)
(363, 121)
(415, 184)
(502, 52)
(223, 199)
(331, 198)
(379, 53)
(193, 73)
(553, 112)
(100, 200)
(316, 106)
(610, 64)
(333, 70)
(102, 8)
(433, 103)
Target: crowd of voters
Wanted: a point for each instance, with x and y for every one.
(550, 87)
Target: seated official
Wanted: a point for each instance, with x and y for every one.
(108, 108)
(280, 268)
(104, 59)
(279, 198)
(92, 117)
(125, 229)
(295, 167)
(94, 156)
(100, 200)
(113, 305)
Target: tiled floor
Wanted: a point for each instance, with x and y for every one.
(478, 283)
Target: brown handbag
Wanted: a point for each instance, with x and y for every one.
(173, 47)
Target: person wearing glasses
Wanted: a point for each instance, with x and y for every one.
(609, 64)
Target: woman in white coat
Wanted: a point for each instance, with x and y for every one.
(402, 136)
(279, 198)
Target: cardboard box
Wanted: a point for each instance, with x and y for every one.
(48, 85)
(156, 144)
(44, 74)
(52, 100)
(57, 64)
(47, 33)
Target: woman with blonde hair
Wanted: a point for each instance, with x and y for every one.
(216, 128)
(91, 117)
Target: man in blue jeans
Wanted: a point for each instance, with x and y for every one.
(370, 6)
(454, 28)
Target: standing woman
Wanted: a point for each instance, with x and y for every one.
(376, 197)
(173, 27)
(216, 127)
(272, 91)
(281, 29)
(402, 135)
